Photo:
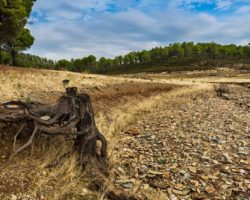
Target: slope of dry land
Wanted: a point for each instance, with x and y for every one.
(195, 146)
(172, 137)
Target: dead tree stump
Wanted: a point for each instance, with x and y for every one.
(72, 115)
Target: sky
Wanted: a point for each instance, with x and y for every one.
(66, 29)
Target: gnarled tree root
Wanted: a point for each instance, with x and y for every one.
(72, 115)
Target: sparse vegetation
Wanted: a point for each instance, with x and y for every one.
(159, 131)
(71, 116)
(221, 89)
(119, 102)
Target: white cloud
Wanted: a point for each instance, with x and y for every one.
(80, 4)
(223, 4)
(243, 9)
(72, 32)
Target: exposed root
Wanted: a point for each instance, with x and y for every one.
(71, 116)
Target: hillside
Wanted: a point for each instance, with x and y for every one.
(185, 56)
(172, 137)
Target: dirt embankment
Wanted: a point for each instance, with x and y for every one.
(108, 98)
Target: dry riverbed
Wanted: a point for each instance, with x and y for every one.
(194, 146)
(169, 137)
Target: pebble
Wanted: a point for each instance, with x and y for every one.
(190, 146)
(210, 189)
(13, 197)
(192, 169)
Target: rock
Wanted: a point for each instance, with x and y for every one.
(182, 192)
(121, 170)
(202, 146)
(13, 197)
(44, 173)
(243, 151)
(245, 162)
(213, 177)
(45, 118)
(125, 181)
(194, 182)
(182, 172)
(204, 177)
(228, 158)
(229, 183)
(127, 185)
(225, 186)
(173, 197)
(197, 196)
(179, 187)
(215, 162)
(235, 191)
(186, 192)
(247, 168)
(133, 131)
(145, 186)
(12, 106)
(160, 185)
(206, 158)
(162, 196)
(155, 172)
(210, 189)
(192, 169)
(178, 192)
(225, 170)
(166, 174)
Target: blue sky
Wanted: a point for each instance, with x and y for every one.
(77, 28)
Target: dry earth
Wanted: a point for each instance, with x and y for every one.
(172, 137)
(194, 146)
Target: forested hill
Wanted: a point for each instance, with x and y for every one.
(15, 38)
(175, 57)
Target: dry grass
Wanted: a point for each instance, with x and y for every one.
(63, 181)
(200, 77)
(66, 180)
(19, 83)
(26, 84)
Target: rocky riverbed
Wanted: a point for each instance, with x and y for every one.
(195, 146)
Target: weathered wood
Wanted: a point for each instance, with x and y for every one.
(71, 115)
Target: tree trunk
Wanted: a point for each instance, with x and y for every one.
(13, 55)
(1, 58)
(71, 115)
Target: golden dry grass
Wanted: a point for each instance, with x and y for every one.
(66, 180)
(27, 83)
